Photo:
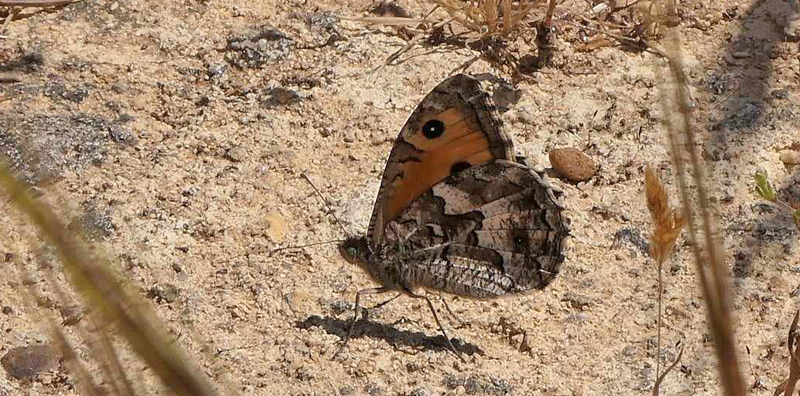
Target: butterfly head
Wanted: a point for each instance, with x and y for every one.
(355, 250)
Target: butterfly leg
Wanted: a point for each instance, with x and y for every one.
(387, 301)
(439, 323)
(376, 290)
(452, 314)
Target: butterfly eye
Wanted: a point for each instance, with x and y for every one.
(433, 129)
(352, 252)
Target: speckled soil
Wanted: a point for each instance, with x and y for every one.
(178, 134)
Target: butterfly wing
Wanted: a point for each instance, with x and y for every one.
(487, 231)
(453, 128)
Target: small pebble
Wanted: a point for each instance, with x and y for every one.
(26, 362)
(298, 300)
(790, 157)
(71, 315)
(780, 94)
(216, 70)
(275, 226)
(120, 135)
(168, 293)
(285, 96)
(236, 154)
(572, 164)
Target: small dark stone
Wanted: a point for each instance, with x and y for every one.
(373, 390)
(120, 135)
(71, 315)
(124, 118)
(26, 362)
(576, 319)
(576, 300)
(780, 94)
(632, 237)
(303, 374)
(420, 392)
(323, 20)
(484, 385)
(347, 390)
(29, 62)
(8, 310)
(451, 381)
(257, 47)
(742, 266)
(339, 307)
(119, 88)
(389, 8)
(9, 257)
(177, 267)
(169, 293)
(762, 207)
(284, 96)
(77, 95)
(236, 154)
(216, 70)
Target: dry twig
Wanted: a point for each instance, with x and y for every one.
(17, 5)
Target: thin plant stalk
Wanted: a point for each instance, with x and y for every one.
(710, 267)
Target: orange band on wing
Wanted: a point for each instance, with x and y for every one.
(469, 146)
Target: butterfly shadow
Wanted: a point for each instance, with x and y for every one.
(387, 332)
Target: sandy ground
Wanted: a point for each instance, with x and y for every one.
(178, 135)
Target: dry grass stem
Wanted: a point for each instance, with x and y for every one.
(660, 378)
(711, 269)
(667, 222)
(489, 18)
(92, 278)
(83, 380)
(667, 226)
(483, 18)
(788, 386)
(388, 21)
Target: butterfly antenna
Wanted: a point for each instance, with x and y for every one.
(271, 252)
(347, 234)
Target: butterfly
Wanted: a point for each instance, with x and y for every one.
(455, 212)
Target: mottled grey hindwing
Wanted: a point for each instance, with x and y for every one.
(487, 231)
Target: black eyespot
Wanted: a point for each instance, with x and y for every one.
(520, 240)
(433, 129)
(458, 167)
